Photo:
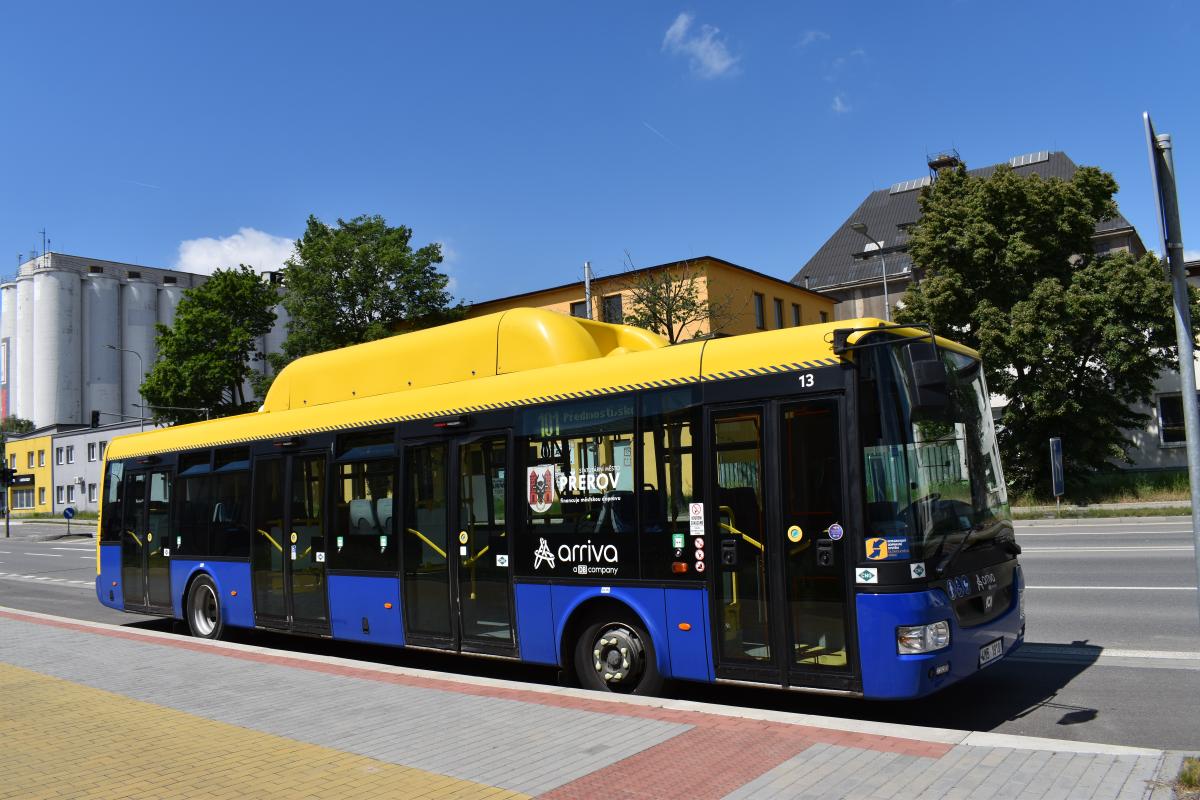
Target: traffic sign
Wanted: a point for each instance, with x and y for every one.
(69, 513)
(1056, 467)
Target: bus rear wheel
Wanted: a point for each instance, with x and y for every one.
(204, 609)
(617, 656)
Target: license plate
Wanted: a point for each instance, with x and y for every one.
(990, 652)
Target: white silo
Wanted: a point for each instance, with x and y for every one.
(8, 330)
(57, 352)
(101, 365)
(139, 312)
(23, 376)
(169, 295)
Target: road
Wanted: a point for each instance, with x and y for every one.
(1113, 651)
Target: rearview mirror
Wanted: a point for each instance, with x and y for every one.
(929, 389)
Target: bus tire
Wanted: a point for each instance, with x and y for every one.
(617, 655)
(204, 609)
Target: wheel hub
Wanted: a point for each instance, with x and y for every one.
(618, 656)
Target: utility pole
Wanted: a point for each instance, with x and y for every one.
(1162, 171)
(587, 287)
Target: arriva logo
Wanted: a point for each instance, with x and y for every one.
(585, 559)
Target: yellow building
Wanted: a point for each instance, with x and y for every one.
(31, 454)
(737, 299)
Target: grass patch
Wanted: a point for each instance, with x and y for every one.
(1187, 784)
(1117, 487)
(44, 517)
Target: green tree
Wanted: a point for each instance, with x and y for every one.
(358, 281)
(207, 355)
(14, 424)
(668, 301)
(1072, 339)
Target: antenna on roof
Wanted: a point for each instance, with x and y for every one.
(947, 159)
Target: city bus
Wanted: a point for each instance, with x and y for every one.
(816, 508)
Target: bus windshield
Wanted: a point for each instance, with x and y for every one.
(932, 477)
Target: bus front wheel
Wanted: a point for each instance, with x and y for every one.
(617, 656)
(204, 609)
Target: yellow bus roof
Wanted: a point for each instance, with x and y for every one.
(513, 358)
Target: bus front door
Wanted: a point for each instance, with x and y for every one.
(780, 572)
(145, 546)
(289, 543)
(457, 576)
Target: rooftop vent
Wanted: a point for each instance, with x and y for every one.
(908, 186)
(1029, 158)
(134, 274)
(94, 270)
(169, 280)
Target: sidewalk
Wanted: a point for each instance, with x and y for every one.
(92, 710)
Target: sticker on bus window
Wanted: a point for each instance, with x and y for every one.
(835, 532)
(293, 551)
(320, 558)
(867, 575)
(341, 542)
(696, 518)
(889, 549)
(382, 543)
(540, 480)
(501, 560)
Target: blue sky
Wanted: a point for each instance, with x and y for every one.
(528, 137)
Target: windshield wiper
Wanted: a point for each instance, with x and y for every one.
(1009, 543)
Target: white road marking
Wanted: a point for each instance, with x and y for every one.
(1083, 550)
(1186, 521)
(44, 555)
(76, 549)
(1125, 533)
(88, 558)
(1123, 588)
(35, 578)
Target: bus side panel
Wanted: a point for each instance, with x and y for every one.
(649, 604)
(354, 598)
(229, 576)
(108, 582)
(691, 650)
(535, 623)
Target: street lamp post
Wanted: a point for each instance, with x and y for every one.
(861, 228)
(142, 369)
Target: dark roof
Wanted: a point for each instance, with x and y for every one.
(668, 265)
(887, 212)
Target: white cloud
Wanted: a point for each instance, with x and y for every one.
(1191, 255)
(813, 36)
(708, 57)
(448, 266)
(840, 106)
(248, 246)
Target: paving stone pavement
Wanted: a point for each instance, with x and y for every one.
(91, 710)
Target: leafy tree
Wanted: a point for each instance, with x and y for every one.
(14, 424)
(668, 301)
(207, 355)
(357, 282)
(1072, 339)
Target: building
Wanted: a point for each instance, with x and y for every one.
(78, 459)
(850, 265)
(743, 300)
(77, 335)
(31, 454)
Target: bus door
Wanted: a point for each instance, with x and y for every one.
(457, 574)
(145, 565)
(289, 542)
(781, 591)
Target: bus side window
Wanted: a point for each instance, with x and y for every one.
(668, 478)
(113, 484)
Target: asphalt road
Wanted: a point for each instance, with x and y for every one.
(1113, 652)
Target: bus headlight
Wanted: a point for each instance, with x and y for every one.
(922, 638)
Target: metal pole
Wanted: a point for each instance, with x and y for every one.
(887, 305)
(1162, 168)
(587, 287)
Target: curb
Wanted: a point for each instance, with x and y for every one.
(936, 735)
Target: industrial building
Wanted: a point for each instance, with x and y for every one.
(78, 334)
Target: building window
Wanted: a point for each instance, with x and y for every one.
(579, 309)
(41, 458)
(91, 492)
(824, 316)
(22, 498)
(760, 314)
(91, 451)
(778, 313)
(12, 460)
(41, 495)
(103, 447)
(58, 455)
(30, 459)
(613, 312)
(70, 493)
(58, 494)
(795, 315)
(70, 454)
(1170, 419)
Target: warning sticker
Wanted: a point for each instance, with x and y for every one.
(696, 518)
